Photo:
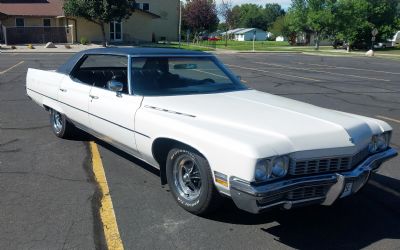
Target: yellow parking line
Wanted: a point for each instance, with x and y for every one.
(325, 72)
(5, 71)
(388, 118)
(276, 73)
(107, 215)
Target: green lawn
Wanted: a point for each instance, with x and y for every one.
(392, 51)
(175, 45)
(245, 45)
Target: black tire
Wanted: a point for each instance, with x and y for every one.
(61, 127)
(208, 198)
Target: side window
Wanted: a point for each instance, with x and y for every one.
(46, 22)
(146, 7)
(97, 70)
(19, 22)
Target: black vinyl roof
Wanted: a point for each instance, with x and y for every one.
(137, 52)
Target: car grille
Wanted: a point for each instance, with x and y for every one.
(307, 193)
(325, 165)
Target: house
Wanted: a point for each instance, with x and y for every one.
(41, 21)
(231, 33)
(250, 34)
(246, 34)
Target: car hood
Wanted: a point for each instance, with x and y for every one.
(259, 118)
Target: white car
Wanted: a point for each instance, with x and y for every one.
(186, 114)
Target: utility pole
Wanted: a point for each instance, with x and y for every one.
(254, 39)
(180, 23)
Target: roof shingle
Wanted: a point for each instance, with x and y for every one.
(50, 8)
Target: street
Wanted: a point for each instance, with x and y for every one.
(50, 199)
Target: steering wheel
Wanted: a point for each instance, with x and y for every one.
(206, 80)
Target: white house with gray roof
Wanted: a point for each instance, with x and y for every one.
(248, 34)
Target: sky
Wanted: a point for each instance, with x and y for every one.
(284, 3)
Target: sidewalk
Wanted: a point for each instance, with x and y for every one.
(61, 48)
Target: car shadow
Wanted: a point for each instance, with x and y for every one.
(128, 157)
(351, 223)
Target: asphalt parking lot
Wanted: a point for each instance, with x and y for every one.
(50, 199)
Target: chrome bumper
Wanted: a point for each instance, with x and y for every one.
(255, 198)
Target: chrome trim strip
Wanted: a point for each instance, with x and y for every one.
(169, 111)
(90, 114)
(130, 82)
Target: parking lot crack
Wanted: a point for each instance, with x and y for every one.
(26, 128)
(40, 174)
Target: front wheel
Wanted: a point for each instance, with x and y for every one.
(59, 124)
(190, 180)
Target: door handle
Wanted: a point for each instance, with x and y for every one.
(63, 90)
(93, 97)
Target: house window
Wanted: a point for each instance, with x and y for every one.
(142, 6)
(19, 22)
(46, 22)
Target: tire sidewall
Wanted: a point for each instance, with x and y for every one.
(62, 131)
(200, 203)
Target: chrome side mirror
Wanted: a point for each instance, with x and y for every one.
(115, 86)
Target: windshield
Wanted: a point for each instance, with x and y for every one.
(181, 76)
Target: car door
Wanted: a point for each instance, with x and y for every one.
(112, 114)
(74, 94)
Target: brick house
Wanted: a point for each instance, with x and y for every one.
(41, 21)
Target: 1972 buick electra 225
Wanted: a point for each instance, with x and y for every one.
(211, 136)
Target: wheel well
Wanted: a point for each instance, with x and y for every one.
(160, 150)
(47, 108)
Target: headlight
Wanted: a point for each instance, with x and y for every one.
(271, 168)
(261, 173)
(280, 166)
(378, 143)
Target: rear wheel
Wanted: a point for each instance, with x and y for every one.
(190, 180)
(59, 124)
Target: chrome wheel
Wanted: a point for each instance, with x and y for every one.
(57, 122)
(187, 178)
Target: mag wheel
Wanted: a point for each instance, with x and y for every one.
(190, 180)
(59, 124)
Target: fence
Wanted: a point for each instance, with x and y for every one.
(2, 29)
(24, 35)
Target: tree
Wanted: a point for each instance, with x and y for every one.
(99, 12)
(271, 12)
(200, 15)
(319, 18)
(225, 11)
(280, 27)
(252, 16)
(357, 18)
(312, 16)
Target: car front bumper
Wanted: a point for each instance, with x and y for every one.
(317, 189)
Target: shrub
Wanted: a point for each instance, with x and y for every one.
(84, 41)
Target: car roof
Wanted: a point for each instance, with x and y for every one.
(142, 51)
(67, 67)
